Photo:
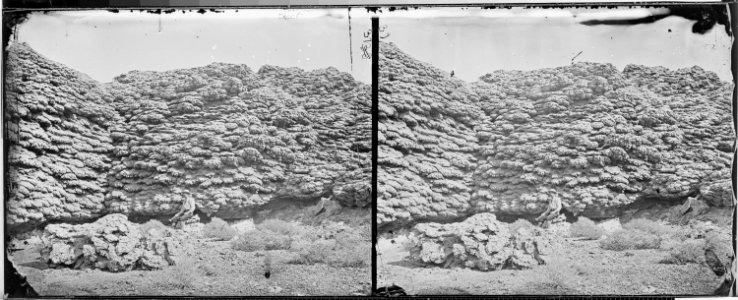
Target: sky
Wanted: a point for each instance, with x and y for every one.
(471, 42)
(474, 42)
(103, 45)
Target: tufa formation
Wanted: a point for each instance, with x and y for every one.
(601, 138)
(233, 139)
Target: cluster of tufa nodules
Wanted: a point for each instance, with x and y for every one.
(480, 242)
(229, 137)
(111, 243)
(599, 137)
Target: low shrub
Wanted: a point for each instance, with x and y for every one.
(312, 252)
(630, 240)
(346, 249)
(217, 228)
(554, 278)
(183, 275)
(586, 228)
(684, 252)
(257, 240)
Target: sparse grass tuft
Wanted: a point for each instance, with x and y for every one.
(183, 275)
(551, 279)
(586, 228)
(629, 240)
(217, 228)
(684, 252)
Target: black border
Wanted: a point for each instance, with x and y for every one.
(375, 143)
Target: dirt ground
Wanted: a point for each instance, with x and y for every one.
(580, 267)
(210, 268)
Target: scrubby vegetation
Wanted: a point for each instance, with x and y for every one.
(219, 229)
(183, 275)
(630, 240)
(257, 239)
(333, 244)
(687, 251)
(586, 228)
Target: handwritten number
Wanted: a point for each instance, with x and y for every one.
(366, 54)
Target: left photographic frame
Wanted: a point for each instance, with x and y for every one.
(213, 154)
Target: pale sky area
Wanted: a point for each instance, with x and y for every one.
(103, 45)
(473, 42)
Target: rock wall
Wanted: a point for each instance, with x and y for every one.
(56, 140)
(427, 141)
(236, 140)
(601, 138)
(229, 137)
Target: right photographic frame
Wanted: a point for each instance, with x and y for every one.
(565, 151)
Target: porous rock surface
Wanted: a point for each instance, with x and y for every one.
(231, 138)
(479, 242)
(600, 137)
(57, 140)
(111, 243)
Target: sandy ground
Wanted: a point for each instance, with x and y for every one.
(581, 267)
(212, 269)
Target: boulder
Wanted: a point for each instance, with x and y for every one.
(479, 242)
(111, 243)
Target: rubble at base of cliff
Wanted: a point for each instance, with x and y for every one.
(479, 242)
(111, 243)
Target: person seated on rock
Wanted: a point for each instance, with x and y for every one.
(321, 205)
(552, 211)
(186, 211)
(687, 206)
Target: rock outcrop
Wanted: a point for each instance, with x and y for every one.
(57, 141)
(602, 138)
(111, 243)
(231, 138)
(479, 242)
(236, 140)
